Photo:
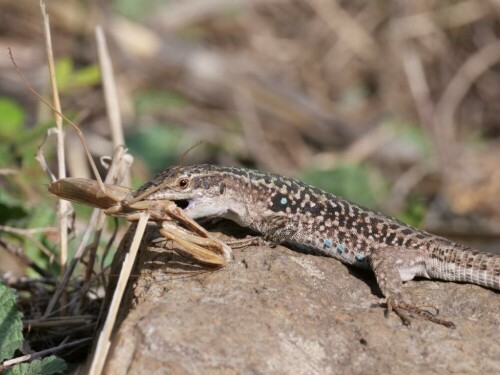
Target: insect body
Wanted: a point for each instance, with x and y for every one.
(125, 202)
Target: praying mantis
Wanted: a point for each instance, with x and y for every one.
(121, 201)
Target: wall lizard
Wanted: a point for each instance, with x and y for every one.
(290, 212)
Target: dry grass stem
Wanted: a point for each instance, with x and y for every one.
(103, 343)
(421, 24)
(64, 206)
(42, 353)
(19, 253)
(73, 263)
(110, 94)
(29, 235)
(8, 171)
(27, 231)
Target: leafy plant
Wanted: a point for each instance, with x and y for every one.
(11, 339)
(69, 77)
(47, 366)
(11, 326)
(12, 119)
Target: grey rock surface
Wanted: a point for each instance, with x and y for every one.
(276, 311)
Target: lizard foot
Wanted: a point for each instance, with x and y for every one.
(405, 310)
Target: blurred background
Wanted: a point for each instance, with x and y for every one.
(393, 104)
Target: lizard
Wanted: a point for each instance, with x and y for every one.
(287, 211)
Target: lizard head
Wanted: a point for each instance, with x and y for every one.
(200, 190)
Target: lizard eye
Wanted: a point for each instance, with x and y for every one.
(183, 183)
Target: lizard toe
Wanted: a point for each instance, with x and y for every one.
(404, 310)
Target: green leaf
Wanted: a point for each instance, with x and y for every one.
(47, 366)
(11, 326)
(87, 76)
(11, 118)
(70, 78)
(40, 216)
(11, 209)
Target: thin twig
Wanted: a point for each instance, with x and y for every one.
(110, 95)
(63, 208)
(18, 252)
(29, 235)
(72, 265)
(41, 158)
(77, 320)
(8, 171)
(103, 343)
(29, 357)
(24, 232)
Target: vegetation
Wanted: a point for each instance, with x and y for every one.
(390, 104)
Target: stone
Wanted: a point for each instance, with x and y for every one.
(276, 311)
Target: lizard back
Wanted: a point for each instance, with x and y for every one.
(286, 210)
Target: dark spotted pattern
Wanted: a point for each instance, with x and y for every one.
(322, 222)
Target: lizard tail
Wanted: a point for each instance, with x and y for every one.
(471, 266)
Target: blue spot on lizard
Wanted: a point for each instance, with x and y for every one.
(340, 247)
(283, 200)
(360, 257)
(327, 243)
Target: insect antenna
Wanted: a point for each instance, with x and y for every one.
(73, 125)
(177, 168)
(184, 154)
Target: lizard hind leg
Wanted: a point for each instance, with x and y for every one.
(392, 266)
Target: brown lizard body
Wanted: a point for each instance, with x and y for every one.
(288, 211)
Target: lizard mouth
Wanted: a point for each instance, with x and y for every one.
(182, 203)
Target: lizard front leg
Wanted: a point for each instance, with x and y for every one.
(275, 229)
(392, 266)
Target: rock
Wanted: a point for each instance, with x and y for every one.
(276, 311)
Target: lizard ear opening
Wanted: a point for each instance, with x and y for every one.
(222, 188)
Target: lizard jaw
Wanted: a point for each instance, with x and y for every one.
(198, 208)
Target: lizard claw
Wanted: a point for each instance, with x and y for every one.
(402, 309)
